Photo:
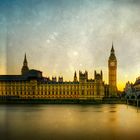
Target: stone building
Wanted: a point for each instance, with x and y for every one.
(31, 84)
(131, 90)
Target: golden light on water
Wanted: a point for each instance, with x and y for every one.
(70, 122)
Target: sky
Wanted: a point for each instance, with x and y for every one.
(61, 36)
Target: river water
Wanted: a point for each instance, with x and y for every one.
(69, 122)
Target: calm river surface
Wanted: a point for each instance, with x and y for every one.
(69, 122)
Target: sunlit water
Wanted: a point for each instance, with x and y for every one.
(75, 122)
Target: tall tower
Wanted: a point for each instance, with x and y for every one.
(112, 68)
(25, 66)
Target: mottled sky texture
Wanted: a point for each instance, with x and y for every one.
(61, 36)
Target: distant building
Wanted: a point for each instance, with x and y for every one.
(131, 90)
(31, 84)
(128, 89)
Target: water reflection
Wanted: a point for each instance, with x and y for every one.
(69, 122)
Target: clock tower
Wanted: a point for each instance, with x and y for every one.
(112, 68)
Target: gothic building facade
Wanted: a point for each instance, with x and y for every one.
(31, 84)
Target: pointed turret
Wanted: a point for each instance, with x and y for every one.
(101, 74)
(25, 63)
(25, 68)
(25, 59)
(112, 49)
(94, 73)
(75, 77)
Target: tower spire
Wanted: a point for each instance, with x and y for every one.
(25, 66)
(101, 74)
(75, 74)
(112, 49)
(75, 77)
(25, 59)
(112, 53)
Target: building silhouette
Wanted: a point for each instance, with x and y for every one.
(25, 68)
(31, 84)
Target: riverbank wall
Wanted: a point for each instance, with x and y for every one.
(63, 101)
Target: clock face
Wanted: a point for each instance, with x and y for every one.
(112, 64)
